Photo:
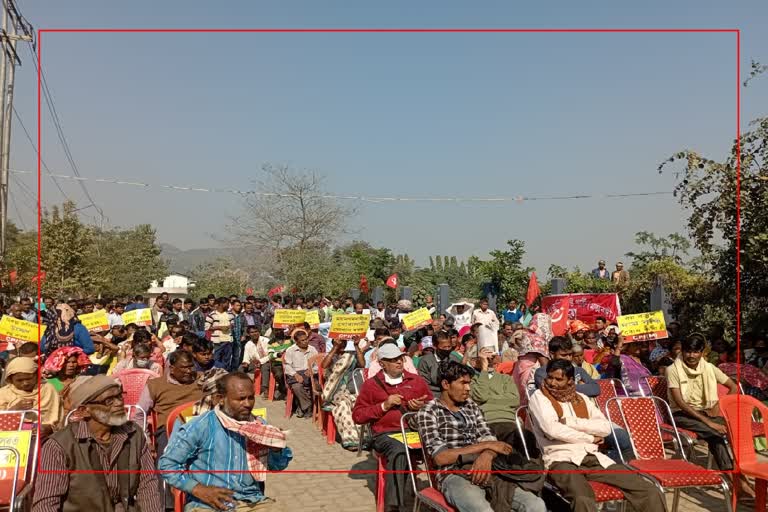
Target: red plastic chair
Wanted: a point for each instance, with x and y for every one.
(15, 420)
(328, 423)
(658, 386)
(179, 497)
(288, 392)
(737, 411)
(430, 496)
(133, 381)
(639, 415)
(16, 487)
(604, 493)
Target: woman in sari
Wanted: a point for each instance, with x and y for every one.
(65, 331)
(628, 363)
(62, 367)
(534, 352)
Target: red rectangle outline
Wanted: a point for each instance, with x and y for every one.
(736, 31)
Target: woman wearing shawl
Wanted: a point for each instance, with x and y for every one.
(65, 331)
(628, 362)
(62, 368)
(21, 393)
(338, 393)
(534, 352)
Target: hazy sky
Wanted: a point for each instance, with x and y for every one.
(443, 115)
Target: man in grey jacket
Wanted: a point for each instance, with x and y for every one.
(428, 364)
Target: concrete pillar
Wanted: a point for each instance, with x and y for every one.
(660, 300)
(378, 295)
(354, 293)
(558, 286)
(443, 298)
(406, 293)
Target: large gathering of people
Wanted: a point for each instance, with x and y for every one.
(202, 366)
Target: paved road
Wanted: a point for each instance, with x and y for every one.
(311, 492)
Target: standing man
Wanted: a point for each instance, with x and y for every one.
(512, 314)
(620, 277)
(429, 304)
(486, 317)
(219, 325)
(601, 272)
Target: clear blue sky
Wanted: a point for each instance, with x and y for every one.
(479, 115)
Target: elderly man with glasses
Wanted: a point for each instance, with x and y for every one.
(99, 449)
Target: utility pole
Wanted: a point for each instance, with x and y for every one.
(14, 29)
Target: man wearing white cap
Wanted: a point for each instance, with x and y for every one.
(93, 450)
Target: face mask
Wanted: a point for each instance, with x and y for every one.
(143, 364)
(443, 354)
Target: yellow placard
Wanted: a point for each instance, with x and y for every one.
(20, 440)
(13, 330)
(140, 317)
(344, 327)
(417, 319)
(646, 325)
(313, 319)
(260, 413)
(412, 439)
(285, 318)
(96, 321)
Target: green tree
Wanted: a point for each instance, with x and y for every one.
(128, 260)
(505, 271)
(576, 281)
(67, 253)
(219, 277)
(708, 190)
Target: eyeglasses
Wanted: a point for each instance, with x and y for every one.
(109, 401)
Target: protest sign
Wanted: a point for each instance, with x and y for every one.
(13, 330)
(313, 319)
(96, 321)
(140, 317)
(20, 440)
(585, 306)
(417, 319)
(286, 318)
(344, 327)
(411, 438)
(487, 338)
(643, 326)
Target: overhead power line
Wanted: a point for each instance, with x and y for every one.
(356, 197)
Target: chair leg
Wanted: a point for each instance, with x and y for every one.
(761, 486)
(675, 499)
(331, 430)
(360, 440)
(272, 384)
(416, 504)
(288, 403)
(380, 484)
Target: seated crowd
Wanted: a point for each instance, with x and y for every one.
(528, 401)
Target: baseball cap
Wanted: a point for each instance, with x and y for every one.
(389, 351)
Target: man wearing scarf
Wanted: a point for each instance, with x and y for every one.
(692, 396)
(229, 440)
(102, 462)
(21, 393)
(570, 429)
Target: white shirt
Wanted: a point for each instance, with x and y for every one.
(487, 318)
(114, 319)
(572, 441)
(256, 352)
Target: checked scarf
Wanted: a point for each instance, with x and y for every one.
(259, 439)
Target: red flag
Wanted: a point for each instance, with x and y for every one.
(12, 275)
(392, 281)
(276, 289)
(249, 291)
(533, 290)
(364, 284)
(560, 317)
(40, 276)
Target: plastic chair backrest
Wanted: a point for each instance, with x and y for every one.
(358, 378)
(520, 416)
(403, 422)
(640, 420)
(608, 390)
(737, 412)
(133, 381)
(8, 492)
(722, 390)
(174, 415)
(427, 461)
(14, 420)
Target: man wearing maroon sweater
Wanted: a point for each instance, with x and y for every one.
(383, 399)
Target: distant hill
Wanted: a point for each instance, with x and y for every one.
(184, 262)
